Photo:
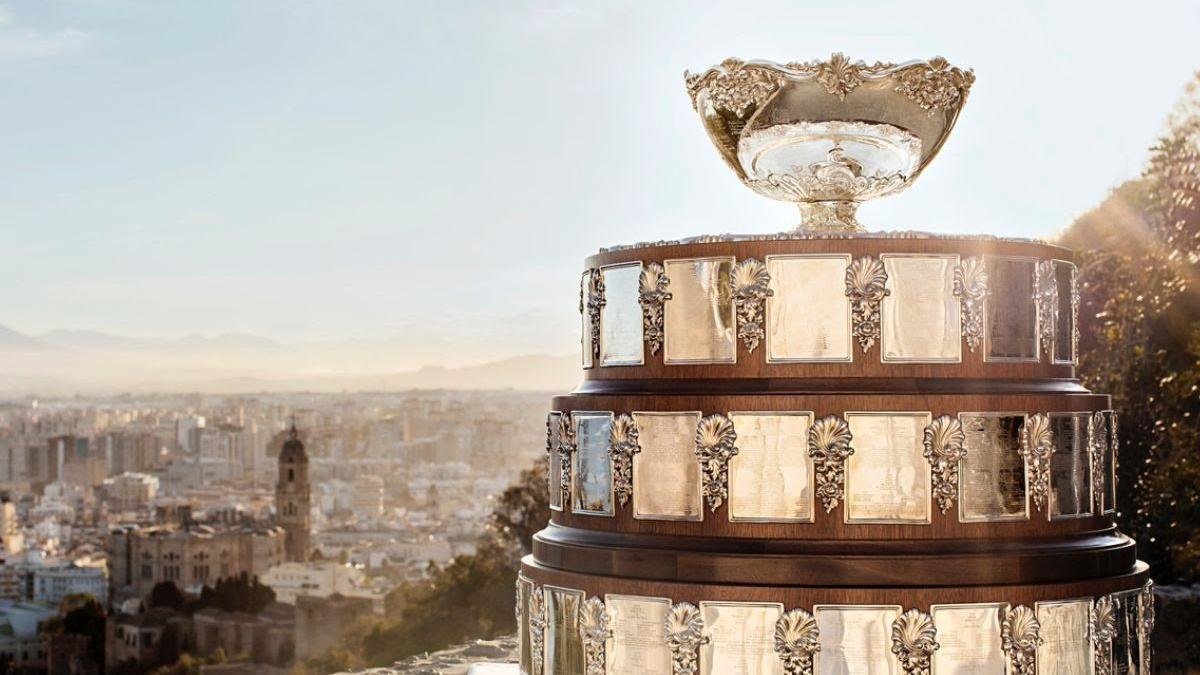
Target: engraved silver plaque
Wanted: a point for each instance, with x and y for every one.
(969, 636)
(1012, 322)
(1064, 330)
(887, 477)
(621, 316)
(920, 316)
(1067, 639)
(741, 638)
(855, 639)
(638, 646)
(666, 475)
(564, 646)
(1127, 643)
(554, 424)
(586, 320)
(1070, 467)
(771, 477)
(991, 481)
(808, 317)
(592, 476)
(1108, 490)
(524, 654)
(698, 320)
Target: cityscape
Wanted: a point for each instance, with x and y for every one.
(300, 511)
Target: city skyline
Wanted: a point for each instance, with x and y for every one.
(233, 169)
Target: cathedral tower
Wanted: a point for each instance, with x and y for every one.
(293, 497)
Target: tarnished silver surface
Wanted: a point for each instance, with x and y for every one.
(866, 286)
(621, 316)
(750, 284)
(698, 320)
(591, 302)
(808, 317)
(969, 635)
(943, 441)
(668, 443)
(1098, 456)
(992, 481)
(914, 641)
(829, 446)
(638, 645)
(1020, 637)
(920, 316)
(566, 452)
(684, 631)
(595, 632)
(1012, 319)
(771, 478)
(740, 638)
(554, 466)
(797, 641)
(1066, 332)
(1070, 467)
(564, 645)
(828, 134)
(971, 289)
(537, 631)
(715, 438)
(856, 639)
(1147, 615)
(1037, 445)
(652, 294)
(887, 477)
(1066, 647)
(592, 486)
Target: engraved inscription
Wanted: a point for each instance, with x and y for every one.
(856, 639)
(992, 477)
(699, 325)
(808, 317)
(887, 477)
(1070, 469)
(771, 477)
(637, 646)
(564, 646)
(1066, 638)
(672, 489)
(621, 316)
(592, 492)
(1012, 330)
(969, 636)
(741, 638)
(921, 315)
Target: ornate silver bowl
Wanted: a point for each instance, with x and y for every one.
(829, 134)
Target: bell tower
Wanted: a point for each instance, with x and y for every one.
(293, 497)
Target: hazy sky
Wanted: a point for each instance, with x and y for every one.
(428, 171)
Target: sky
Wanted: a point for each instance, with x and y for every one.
(433, 174)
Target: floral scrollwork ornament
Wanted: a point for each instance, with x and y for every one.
(1146, 618)
(537, 629)
(1097, 443)
(566, 447)
(591, 301)
(914, 640)
(652, 294)
(829, 447)
(594, 631)
(866, 286)
(622, 446)
(935, 84)
(1104, 629)
(684, 632)
(796, 641)
(1019, 639)
(1045, 295)
(971, 289)
(1037, 444)
(944, 450)
(736, 87)
(714, 448)
(749, 283)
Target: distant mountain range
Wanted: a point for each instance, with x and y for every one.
(67, 362)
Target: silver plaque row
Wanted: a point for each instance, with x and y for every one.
(563, 632)
(920, 308)
(785, 466)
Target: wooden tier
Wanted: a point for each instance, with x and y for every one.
(862, 307)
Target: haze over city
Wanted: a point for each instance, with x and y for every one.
(275, 193)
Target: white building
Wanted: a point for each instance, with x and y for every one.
(130, 491)
(54, 581)
(316, 579)
(19, 637)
